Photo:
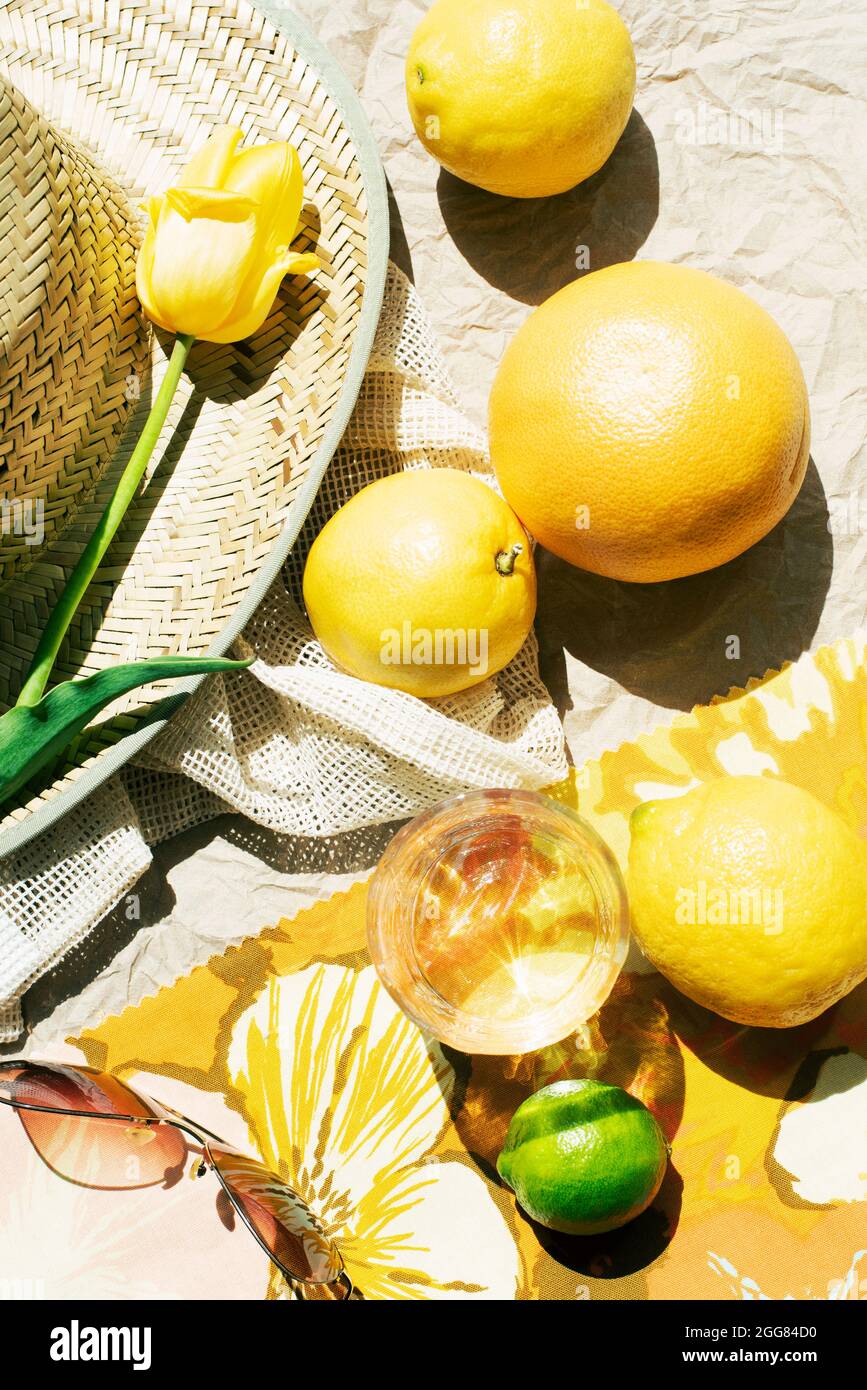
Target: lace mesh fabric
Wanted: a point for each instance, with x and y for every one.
(295, 744)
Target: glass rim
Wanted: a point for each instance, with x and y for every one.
(473, 1033)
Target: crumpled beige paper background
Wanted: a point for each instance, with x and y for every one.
(741, 158)
(744, 157)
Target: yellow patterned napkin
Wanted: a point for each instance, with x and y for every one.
(393, 1138)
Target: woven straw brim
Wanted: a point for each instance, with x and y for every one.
(253, 425)
(72, 337)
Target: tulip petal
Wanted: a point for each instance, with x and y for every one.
(219, 203)
(210, 165)
(243, 325)
(199, 269)
(145, 262)
(143, 269)
(272, 175)
(253, 310)
(218, 243)
(302, 263)
(153, 207)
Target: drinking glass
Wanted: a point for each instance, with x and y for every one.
(498, 921)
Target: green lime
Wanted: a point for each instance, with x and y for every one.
(583, 1157)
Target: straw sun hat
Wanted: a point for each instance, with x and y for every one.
(100, 104)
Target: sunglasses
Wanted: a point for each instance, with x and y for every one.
(95, 1130)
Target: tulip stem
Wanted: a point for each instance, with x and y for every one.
(89, 561)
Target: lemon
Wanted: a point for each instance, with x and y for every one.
(521, 97)
(423, 581)
(583, 1157)
(649, 421)
(750, 896)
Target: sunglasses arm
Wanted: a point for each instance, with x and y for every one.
(81, 1114)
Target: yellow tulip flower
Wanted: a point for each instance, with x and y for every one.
(216, 249)
(218, 244)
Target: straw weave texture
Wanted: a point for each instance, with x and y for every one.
(142, 86)
(296, 745)
(72, 335)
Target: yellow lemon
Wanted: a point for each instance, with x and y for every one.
(521, 97)
(750, 896)
(649, 421)
(423, 581)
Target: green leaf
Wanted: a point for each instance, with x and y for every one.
(33, 735)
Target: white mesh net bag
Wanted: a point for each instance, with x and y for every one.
(303, 748)
(293, 743)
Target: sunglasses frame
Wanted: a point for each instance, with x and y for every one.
(301, 1289)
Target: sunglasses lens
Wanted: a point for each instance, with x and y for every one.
(279, 1217)
(92, 1152)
